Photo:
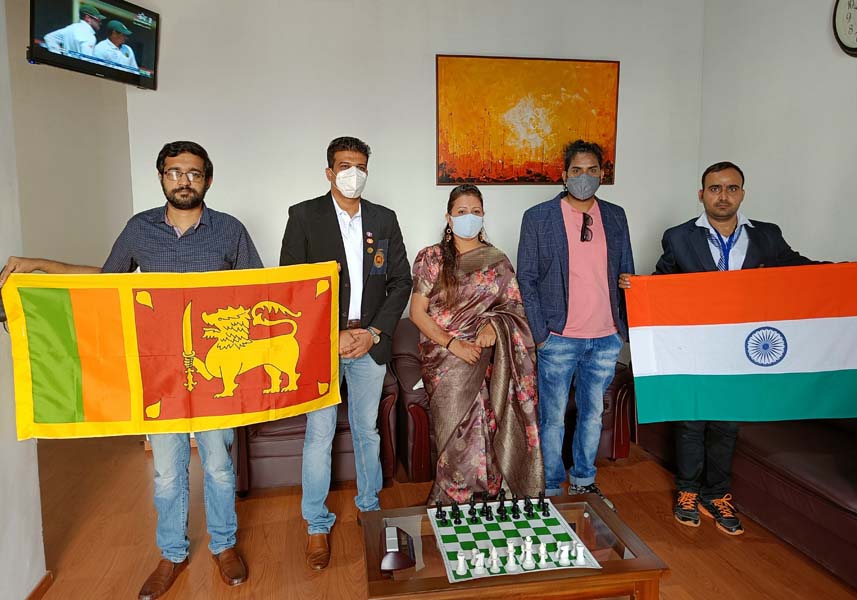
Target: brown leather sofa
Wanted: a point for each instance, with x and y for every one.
(798, 479)
(416, 447)
(269, 454)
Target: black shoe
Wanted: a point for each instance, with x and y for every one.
(686, 509)
(723, 513)
(592, 488)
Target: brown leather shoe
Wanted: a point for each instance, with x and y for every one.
(232, 569)
(161, 579)
(317, 551)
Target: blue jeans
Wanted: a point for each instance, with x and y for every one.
(365, 380)
(592, 362)
(171, 454)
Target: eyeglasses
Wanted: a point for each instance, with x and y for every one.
(176, 175)
(585, 231)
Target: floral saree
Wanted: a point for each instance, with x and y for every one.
(484, 415)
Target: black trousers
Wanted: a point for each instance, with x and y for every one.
(704, 452)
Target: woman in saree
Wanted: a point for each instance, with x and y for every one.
(477, 361)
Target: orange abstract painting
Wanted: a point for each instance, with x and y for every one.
(507, 120)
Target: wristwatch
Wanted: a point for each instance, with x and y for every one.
(376, 337)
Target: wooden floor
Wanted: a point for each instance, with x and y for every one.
(99, 525)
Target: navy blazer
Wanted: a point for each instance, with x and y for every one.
(543, 265)
(686, 249)
(313, 235)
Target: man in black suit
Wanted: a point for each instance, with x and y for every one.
(374, 286)
(720, 239)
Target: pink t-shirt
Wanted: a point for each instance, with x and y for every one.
(589, 314)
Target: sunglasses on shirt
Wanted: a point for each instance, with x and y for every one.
(585, 231)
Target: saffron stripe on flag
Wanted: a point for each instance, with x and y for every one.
(781, 294)
(779, 397)
(55, 367)
(101, 349)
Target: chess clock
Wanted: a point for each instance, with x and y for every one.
(397, 549)
(845, 25)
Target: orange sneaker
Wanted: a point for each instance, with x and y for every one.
(723, 513)
(685, 509)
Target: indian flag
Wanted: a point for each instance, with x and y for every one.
(754, 345)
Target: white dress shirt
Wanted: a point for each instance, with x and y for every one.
(739, 251)
(351, 229)
(107, 50)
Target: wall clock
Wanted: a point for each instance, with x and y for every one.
(845, 25)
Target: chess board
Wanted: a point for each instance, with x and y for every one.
(483, 535)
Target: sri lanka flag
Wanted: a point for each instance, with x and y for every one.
(98, 355)
(754, 345)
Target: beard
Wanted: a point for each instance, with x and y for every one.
(184, 198)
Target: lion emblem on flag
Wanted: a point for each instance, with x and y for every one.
(235, 353)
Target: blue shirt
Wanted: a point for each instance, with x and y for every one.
(219, 242)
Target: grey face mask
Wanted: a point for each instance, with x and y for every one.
(584, 186)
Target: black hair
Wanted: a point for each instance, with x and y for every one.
(722, 166)
(580, 147)
(448, 278)
(173, 149)
(350, 144)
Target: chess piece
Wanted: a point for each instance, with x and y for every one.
(516, 510)
(546, 512)
(563, 556)
(440, 514)
(489, 514)
(528, 508)
(455, 510)
(461, 567)
(474, 553)
(501, 512)
(543, 556)
(541, 500)
(528, 562)
(472, 510)
(580, 557)
(479, 567)
(511, 561)
(494, 567)
(501, 497)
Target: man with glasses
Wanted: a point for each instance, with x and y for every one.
(185, 236)
(571, 252)
(721, 239)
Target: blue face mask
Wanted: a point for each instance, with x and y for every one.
(467, 226)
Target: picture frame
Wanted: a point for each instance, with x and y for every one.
(506, 120)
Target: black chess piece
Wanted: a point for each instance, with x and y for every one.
(489, 514)
(456, 510)
(501, 497)
(541, 500)
(516, 509)
(501, 512)
(545, 510)
(440, 513)
(471, 512)
(528, 508)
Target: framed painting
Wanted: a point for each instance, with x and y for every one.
(506, 120)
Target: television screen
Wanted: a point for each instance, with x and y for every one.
(115, 40)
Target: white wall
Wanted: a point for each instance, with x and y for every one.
(74, 173)
(265, 89)
(22, 556)
(779, 98)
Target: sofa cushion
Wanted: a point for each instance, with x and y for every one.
(810, 453)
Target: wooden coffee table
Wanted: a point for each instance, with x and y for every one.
(628, 565)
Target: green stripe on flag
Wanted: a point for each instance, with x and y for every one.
(54, 362)
(768, 397)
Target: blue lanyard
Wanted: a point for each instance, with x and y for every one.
(727, 245)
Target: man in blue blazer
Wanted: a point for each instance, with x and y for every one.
(571, 252)
(721, 239)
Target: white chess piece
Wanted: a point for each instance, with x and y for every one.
(511, 561)
(580, 558)
(461, 568)
(543, 556)
(474, 553)
(563, 556)
(528, 562)
(479, 568)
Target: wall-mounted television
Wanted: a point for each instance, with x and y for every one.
(111, 39)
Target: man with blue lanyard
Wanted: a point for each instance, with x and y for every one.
(721, 239)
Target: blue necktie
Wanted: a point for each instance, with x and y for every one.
(725, 246)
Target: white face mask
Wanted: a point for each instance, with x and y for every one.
(351, 182)
(467, 226)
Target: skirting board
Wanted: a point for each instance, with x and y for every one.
(42, 587)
